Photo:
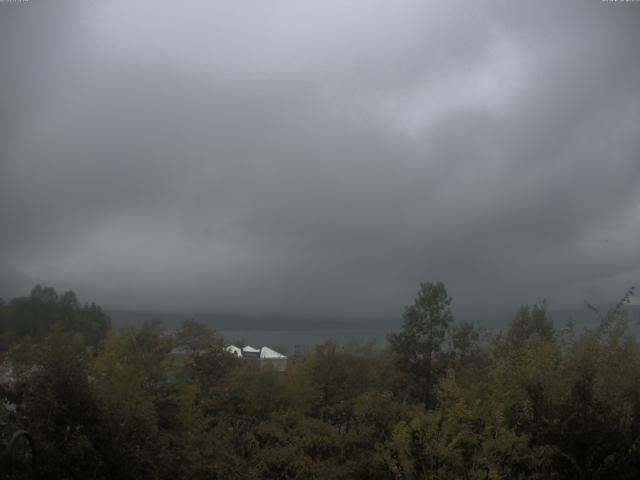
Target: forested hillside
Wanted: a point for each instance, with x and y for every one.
(36, 314)
(445, 400)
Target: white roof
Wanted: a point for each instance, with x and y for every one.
(232, 349)
(249, 348)
(266, 352)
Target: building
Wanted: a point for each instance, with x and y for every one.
(263, 357)
(273, 359)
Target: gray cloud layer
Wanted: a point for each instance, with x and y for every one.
(320, 158)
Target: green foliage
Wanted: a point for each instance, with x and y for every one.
(535, 404)
(529, 321)
(195, 337)
(37, 314)
(426, 324)
(55, 402)
(207, 362)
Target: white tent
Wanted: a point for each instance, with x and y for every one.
(266, 352)
(264, 356)
(233, 350)
(273, 359)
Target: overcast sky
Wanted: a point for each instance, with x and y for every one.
(320, 157)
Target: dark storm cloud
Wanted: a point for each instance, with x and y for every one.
(320, 158)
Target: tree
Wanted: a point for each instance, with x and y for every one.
(209, 361)
(142, 409)
(465, 342)
(425, 327)
(38, 313)
(195, 336)
(528, 321)
(55, 402)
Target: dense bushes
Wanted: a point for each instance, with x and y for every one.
(536, 402)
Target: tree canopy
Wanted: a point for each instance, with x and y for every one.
(425, 329)
(36, 315)
(533, 403)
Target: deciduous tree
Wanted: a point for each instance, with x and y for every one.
(426, 324)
